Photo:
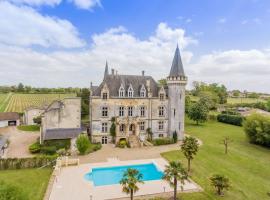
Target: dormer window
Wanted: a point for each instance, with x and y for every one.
(130, 91)
(143, 92)
(161, 97)
(104, 95)
(121, 91)
(162, 94)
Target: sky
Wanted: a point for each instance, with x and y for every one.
(66, 43)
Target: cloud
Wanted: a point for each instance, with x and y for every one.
(188, 20)
(36, 2)
(234, 68)
(24, 26)
(222, 20)
(244, 22)
(124, 52)
(86, 4)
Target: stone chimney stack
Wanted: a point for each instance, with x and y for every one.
(112, 71)
(143, 72)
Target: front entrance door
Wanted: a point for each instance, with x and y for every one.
(132, 129)
(104, 140)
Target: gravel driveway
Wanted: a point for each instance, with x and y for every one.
(19, 142)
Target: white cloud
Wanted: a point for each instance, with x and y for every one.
(222, 20)
(36, 2)
(24, 26)
(234, 68)
(188, 20)
(124, 52)
(86, 4)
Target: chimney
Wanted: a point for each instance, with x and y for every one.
(143, 72)
(112, 71)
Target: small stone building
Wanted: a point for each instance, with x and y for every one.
(61, 119)
(31, 113)
(9, 119)
(138, 102)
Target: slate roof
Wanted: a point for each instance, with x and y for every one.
(61, 133)
(114, 82)
(9, 116)
(177, 68)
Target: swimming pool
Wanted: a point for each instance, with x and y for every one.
(113, 175)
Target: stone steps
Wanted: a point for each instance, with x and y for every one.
(134, 141)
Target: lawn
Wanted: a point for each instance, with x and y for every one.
(32, 182)
(28, 128)
(244, 100)
(246, 165)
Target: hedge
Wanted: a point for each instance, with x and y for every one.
(230, 119)
(162, 141)
(23, 163)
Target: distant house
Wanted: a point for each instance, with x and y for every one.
(61, 120)
(9, 119)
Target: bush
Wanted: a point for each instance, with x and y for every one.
(82, 143)
(175, 137)
(49, 150)
(58, 144)
(28, 128)
(162, 141)
(10, 192)
(35, 148)
(230, 119)
(257, 129)
(94, 147)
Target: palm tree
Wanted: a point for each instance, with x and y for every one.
(189, 147)
(129, 182)
(220, 182)
(173, 173)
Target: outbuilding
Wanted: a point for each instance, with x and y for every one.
(9, 119)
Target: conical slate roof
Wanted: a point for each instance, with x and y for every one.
(177, 66)
(106, 70)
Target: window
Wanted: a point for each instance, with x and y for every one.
(122, 128)
(160, 135)
(104, 95)
(121, 92)
(121, 111)
(174, 112)
(142, 109)
(130, 111)
(142, 126)
(161, 97)
(104, 111)
(143, 92)
(161, 125)
(161, 111)
(104, 140)
(130, 91)
(104, 127)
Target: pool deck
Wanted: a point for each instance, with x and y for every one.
(70, 183)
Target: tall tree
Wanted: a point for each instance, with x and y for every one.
(220, 182)
(20, 87)
(113, 129)
(130, 181)
(173, 173)
(190, 147)
(198, 112)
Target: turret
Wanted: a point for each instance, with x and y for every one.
(176, 84)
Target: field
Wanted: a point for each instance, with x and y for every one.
(19, 102)
(32, 182)
(4, 99)
(246, 165)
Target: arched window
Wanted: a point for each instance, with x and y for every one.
(121, 91)
(130, 91)
(122, 128)
(143, 91)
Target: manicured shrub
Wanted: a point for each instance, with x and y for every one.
(175, 137)
(257, 129)
(82, 143)
(28, 128)
(212, 117)
(122, 143)
(35, 148)
(162, 141)
(230, 119)
(10, 192)
(59, 144)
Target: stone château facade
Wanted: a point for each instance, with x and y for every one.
(138, 102)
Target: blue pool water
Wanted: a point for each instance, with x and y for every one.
(113, 175)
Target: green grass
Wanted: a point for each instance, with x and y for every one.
(246, 165)
(28, 127)
(244, 100)
(32, 182)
